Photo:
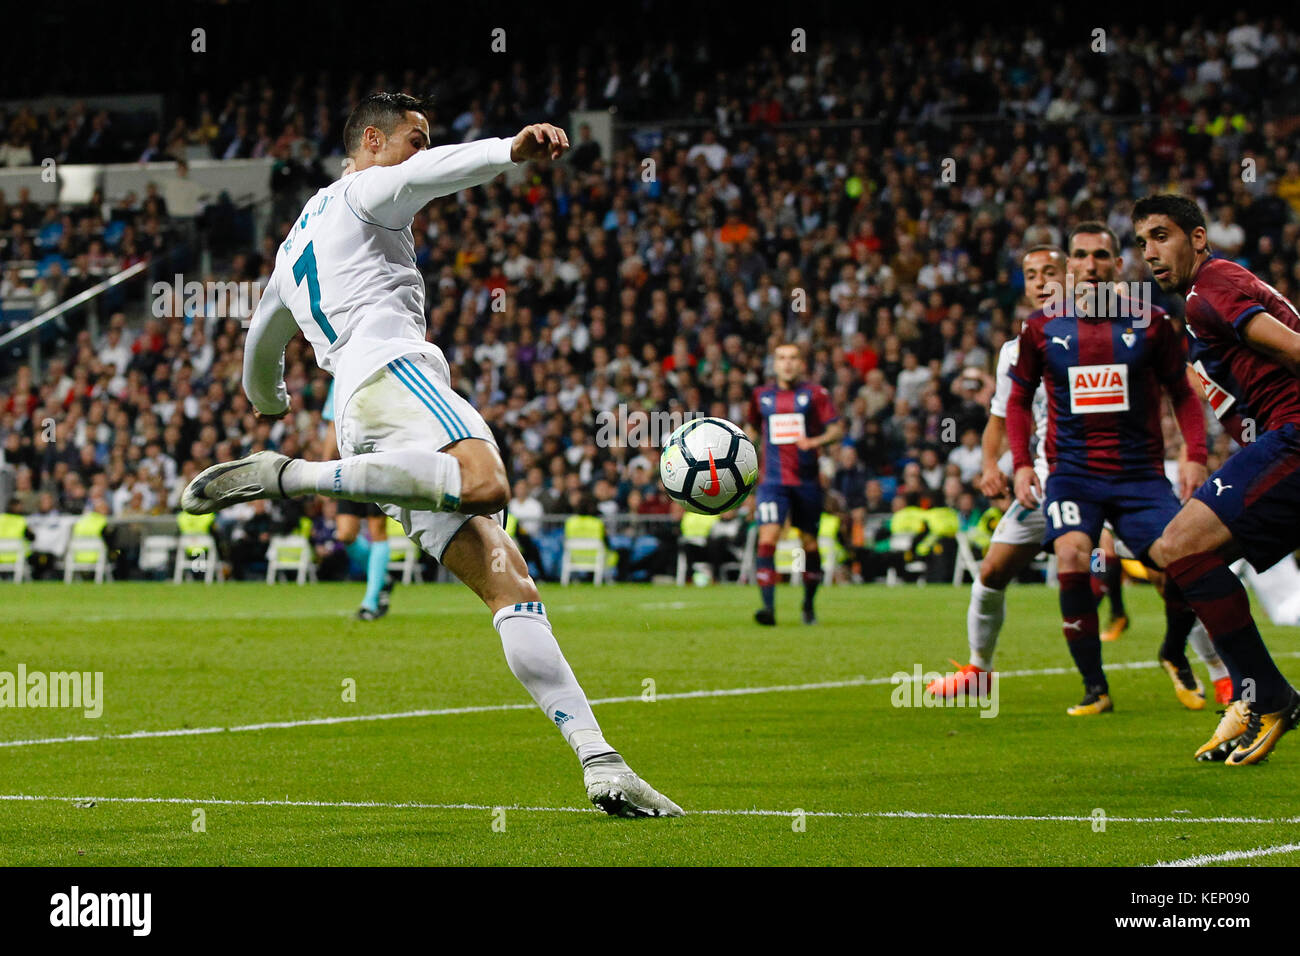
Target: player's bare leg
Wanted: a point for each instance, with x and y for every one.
(765, 570)
(1079, 620)
(372, 552)
(485, 558)
(984, 616)
(1193, 550)
(812, 575)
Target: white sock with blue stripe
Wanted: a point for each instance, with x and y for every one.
(419, 480)
(536, 660)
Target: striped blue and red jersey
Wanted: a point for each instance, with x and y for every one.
(784, 415)
(1242, 385)
(1103, 378)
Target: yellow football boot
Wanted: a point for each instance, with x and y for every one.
(1231, 726)
(1094, 703)
(1263, 731)
(1187, 686)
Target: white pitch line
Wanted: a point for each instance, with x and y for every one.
(494, 708)
(1233, 855)
(837, 814)
(441, 712)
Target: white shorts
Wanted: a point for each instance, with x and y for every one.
(1020, 526)
(409, 403)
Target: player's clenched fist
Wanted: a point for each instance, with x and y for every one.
(538, 141)
(1029, 491)
(992, 483)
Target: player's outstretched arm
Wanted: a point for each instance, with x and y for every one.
(390, 196)
(269, 333)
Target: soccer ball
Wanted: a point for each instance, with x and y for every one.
(708, 465)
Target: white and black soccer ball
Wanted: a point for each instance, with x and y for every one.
(708, 465)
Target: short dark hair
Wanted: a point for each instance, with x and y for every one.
(1042, 247)
(382, 111)
(1093, 227)
(1184, 212)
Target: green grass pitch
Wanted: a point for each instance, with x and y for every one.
(878, 784)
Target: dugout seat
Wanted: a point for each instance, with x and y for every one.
(967, 563)
(87, 552)
(584, 549)
(196, 548)
(403, 553)
(694, 532)
(156, 554)
(14, 546)
(789, 555)
(291, 553)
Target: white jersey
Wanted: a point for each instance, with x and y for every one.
(1007, 358)
(346, 273)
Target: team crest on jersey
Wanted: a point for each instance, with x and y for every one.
(802, 399)
(1128, 337)
(1098, 388)
(1220, 398)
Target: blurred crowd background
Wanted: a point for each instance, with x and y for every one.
(870, 200)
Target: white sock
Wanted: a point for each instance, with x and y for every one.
(419, 480)
(536, 660)
(1199, 638)
(988, 607)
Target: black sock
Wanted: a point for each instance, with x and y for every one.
(812, 576)
(1114, 577)
(1179, 621)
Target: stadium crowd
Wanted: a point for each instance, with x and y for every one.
(888, 244)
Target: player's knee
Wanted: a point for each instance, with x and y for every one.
(1170, 546)
(993, 574)
(1070, 557)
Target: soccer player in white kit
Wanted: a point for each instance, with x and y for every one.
(346, 277)
(1018, 537)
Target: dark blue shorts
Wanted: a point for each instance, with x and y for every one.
(801, 503)
(1138, 509)
(1256, 494)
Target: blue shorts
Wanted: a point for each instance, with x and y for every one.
(1256, 494)
(801, 503)
(1137, 509)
